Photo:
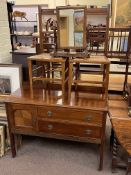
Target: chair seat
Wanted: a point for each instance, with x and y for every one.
(45, 57)
(93, 59)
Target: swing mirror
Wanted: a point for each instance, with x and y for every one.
(71, 27)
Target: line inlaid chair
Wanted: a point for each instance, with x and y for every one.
(43, 71)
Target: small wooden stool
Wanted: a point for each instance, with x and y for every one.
(46, 66)
(100, 60)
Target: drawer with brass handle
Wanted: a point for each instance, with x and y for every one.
(88, 116)
(69, 128)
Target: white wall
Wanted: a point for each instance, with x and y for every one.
(54, 3)
(5, 44)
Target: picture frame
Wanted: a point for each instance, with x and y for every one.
(78, 39)
(123, 14)
(10, 78)
(78, 21)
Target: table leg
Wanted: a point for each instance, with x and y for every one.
(128, 166)
(13, 148)
(111, 138)
(114, 154)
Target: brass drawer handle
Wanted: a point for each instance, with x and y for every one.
(88, 118)
(88, 132)
(50, 127)
(49, 113)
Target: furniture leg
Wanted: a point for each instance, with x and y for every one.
(128, 166)
(114, 154)
(111, 138)
(13, 148)
(106, 82)
(63, 81)
(101, 156)
(70, 80)
(30, 77)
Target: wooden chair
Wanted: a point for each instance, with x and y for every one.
(44, 71)
(117, 50)
(127, 87)
(46, 67)
(103, 84)
(96, 39)
(47, 29)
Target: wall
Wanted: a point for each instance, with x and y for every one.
(54, 3)
(5, 46)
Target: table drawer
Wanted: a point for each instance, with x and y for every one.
(69, 129)
(88, 116)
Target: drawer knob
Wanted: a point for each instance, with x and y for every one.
(88, 118)
(50, 127)
(88, 132)
(49, 113)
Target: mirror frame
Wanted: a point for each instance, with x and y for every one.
(44, 12)
(58, 8)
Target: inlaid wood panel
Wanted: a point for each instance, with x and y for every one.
(24, 116)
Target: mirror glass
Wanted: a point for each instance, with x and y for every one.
(71, 28)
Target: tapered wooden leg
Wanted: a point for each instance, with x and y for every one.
(63, 81)
(111, 139)
(70, 80)
(13, 148)
(30, 77)
(101, 156)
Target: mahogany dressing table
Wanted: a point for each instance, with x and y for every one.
(84, 119)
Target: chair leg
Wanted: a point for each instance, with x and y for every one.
(70, 80)
(63, 81)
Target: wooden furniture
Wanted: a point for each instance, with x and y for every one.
(97, 29)
(71, 27)
(45, 115)
(47, 29)
(103, 61)
(121, 129)
(45, 69)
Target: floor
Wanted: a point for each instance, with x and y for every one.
(39, 156)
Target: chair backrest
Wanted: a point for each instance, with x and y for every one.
(48, 35)
(118, 43)
(96, 38)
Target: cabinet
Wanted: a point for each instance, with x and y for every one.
(84, 121)
(23, 27)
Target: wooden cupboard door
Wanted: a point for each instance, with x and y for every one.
(24, 117)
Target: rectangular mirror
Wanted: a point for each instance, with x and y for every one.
(71, 27)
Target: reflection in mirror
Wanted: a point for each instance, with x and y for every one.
(71, 28)
(48, 21)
